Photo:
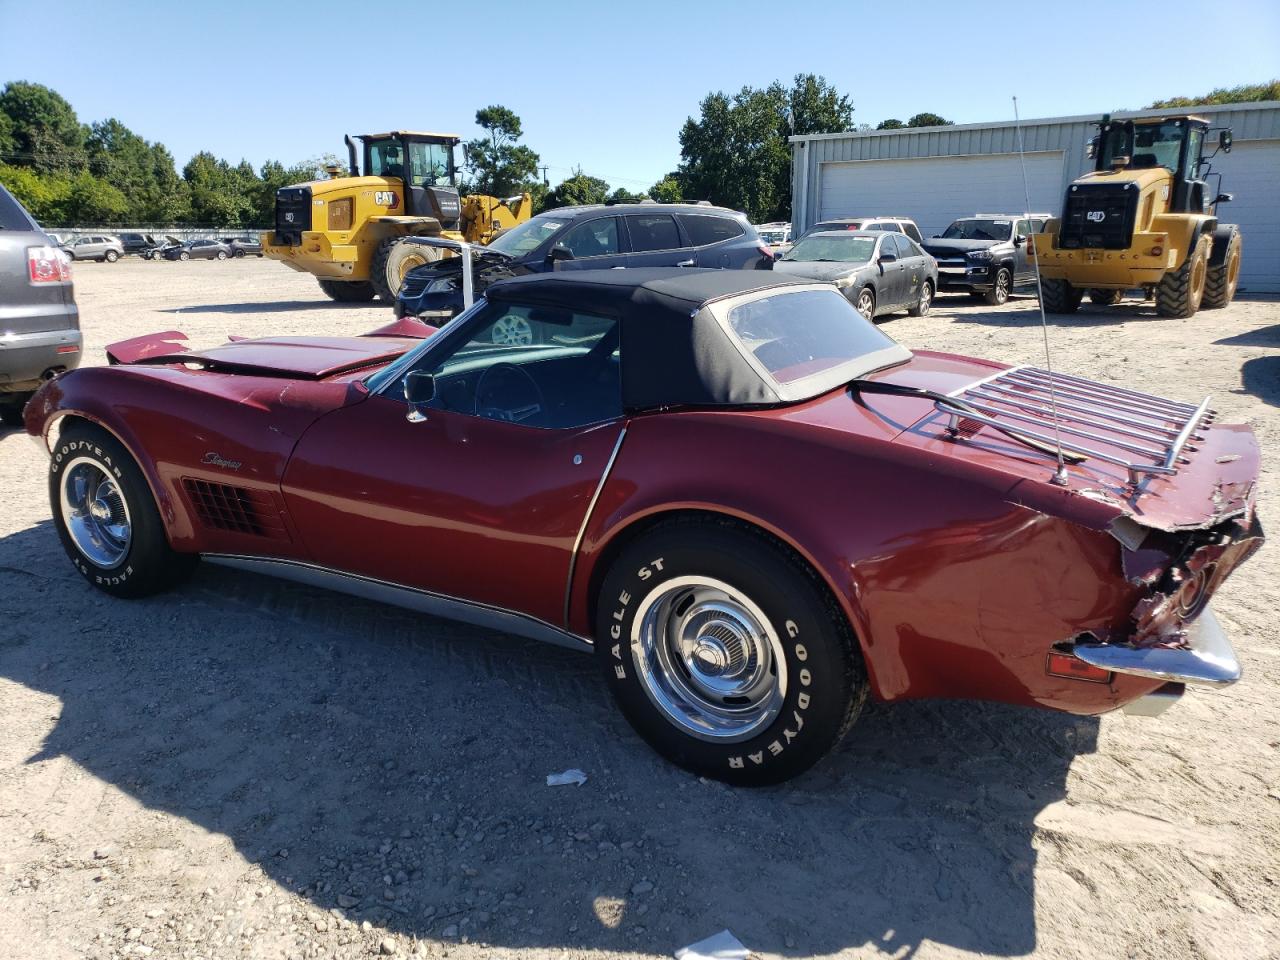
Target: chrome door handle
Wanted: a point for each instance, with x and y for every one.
(687, 263)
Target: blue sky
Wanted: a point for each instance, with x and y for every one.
(605, 86)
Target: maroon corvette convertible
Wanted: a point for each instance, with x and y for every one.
(750, 502)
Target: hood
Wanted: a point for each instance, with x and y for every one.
(817, 269)
(958, 246)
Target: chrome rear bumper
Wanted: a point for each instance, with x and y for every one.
(1208, 659)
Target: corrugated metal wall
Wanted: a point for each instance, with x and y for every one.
(1253, 121)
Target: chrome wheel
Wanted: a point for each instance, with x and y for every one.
(512, 332)
(95, 513)
(866, 304)
(926, 299)
(709, 659)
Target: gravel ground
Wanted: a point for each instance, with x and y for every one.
(247, 768)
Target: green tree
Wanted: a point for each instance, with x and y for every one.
(8, 145)
(44, 196)
(221, 195)
(890, 124)
(499, 165)
(91, 200)
(737, 152)
(929, 120)
(623, 195)
(43, 128)
(578, 190)
(667, 190)
(1246, 93)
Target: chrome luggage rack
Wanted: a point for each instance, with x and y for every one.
(1155, 431)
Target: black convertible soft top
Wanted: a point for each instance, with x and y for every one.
(674, 350)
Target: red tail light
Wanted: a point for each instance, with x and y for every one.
(1073, 668)
(48, 265)
(764, 249)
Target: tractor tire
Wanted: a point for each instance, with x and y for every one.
(394, 259)
(1220, 282)
(1179, 293)
(348, 291)
(1059, 296)
(1106, 298)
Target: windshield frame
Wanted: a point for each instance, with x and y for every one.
(824, 381)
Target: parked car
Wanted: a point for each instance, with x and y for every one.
(39, 321)
(776, 235)
(752, 504)
(591, 238)
(879, 272)
(198, 250)
(891, 224)
(986, 255)
(244, 246)
(99, 247)
(138, 244)
(160, 247)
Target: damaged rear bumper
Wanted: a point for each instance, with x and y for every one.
(1207, 659)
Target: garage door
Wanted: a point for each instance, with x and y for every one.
(1249, 172)
(933, 191)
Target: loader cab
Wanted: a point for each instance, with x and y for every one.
(424, 163)
(1175, 144)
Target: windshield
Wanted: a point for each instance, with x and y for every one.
(802, 334)
(1146, 145)
(526, 237)
(431, 164)
(824, 248)
(978, 230)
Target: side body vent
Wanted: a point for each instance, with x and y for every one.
(235, 509)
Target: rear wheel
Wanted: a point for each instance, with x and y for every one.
(396, 256)
(107, 519)
(1220, 282)
(998, 295)
(925, 302)
(726, 653)
(1106, 298)
(348, 291)
(238, 254)
(1059, 296)
(1180, 291)
(222, 254)
(112, 256)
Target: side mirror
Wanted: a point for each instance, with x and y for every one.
(1019, 240)
(887, 258)
(419, 389)
(559, 254)
(1091, 148)
(1224, 141)
(1223, 198)
(936, 236)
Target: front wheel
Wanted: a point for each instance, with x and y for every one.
(866, 302)
(106, 517)
(1059, 296)
(1180, 291)
(222, 254)
(238, 254)
(725, 652)
(925, 302)
(348, 291)
(184, 255)
(396, 256)
(998, 295)
(1220, 282)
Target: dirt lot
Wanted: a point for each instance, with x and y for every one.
(246, 768)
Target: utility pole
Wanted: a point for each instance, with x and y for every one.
(545, 181)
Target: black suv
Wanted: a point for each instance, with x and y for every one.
(985, 254)
(591, 238)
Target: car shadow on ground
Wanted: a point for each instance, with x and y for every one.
(277, 306)
(400, 761)
(1027, 313)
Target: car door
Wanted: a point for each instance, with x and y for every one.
(718, 241)
(892, 293)
(480, 499)
(595, 244)
(656, 242)
(914, 272)
(1021, 262)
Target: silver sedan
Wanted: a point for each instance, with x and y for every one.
(879, 272)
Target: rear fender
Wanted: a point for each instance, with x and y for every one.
(1184, 232)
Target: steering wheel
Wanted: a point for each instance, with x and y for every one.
(508, 392)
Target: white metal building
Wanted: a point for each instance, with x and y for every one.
(935, 174)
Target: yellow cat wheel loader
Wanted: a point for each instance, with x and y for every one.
(349, 231)
(1143, 218)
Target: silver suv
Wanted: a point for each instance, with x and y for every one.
(99, 247)
(39, 322)
(885, 224)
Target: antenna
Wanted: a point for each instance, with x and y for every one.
(1060, 475)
